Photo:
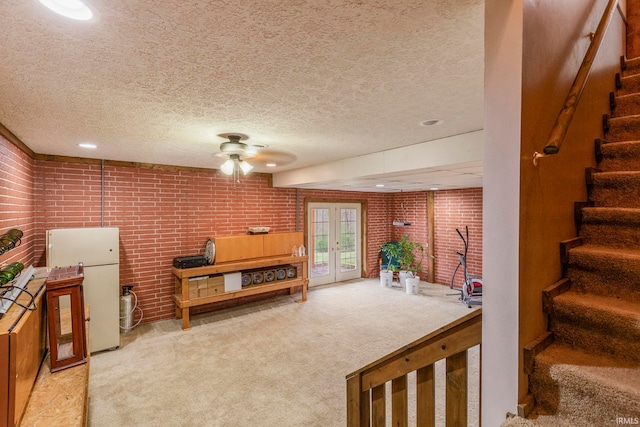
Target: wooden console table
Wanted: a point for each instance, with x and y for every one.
(265, 250)
(182, 276)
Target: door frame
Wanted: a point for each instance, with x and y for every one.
(364, 215)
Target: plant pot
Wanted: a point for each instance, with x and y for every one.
(403, 275)
(412, 285)
(386, 278)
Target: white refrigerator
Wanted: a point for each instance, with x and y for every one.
(98, 250)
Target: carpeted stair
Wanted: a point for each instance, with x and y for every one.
(611, 227)
(589, 372)
(585, 371)
(585, 387)
(620, 155)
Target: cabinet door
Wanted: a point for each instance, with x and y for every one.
(282, 243)
(237, 248)
(4, 379)
(27, 351)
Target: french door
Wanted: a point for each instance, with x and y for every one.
(335, 242)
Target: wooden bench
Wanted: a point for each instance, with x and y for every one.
(235, 254)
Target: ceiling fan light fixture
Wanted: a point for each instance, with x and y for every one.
(227, 167)
(72, 9)
(233, 165)
(246, 167)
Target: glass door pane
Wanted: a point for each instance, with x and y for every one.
(347, 240)
(349, 244)
(319, 235)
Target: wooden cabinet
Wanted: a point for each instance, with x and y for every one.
(238, 248)
(238, 254)
(22, 349)
(67, 335)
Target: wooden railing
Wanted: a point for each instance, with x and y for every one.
(575, 92)
(366, 400)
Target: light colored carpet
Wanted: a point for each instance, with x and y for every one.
(270, 363)
(541, 421)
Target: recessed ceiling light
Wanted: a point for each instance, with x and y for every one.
(432, 122)
(271, 165)
(380, 185)
(87, 145)
(72, 9)
(434, 189)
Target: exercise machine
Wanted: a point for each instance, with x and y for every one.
(471, 287)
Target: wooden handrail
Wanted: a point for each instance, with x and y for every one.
(366, 386)
(575, 92)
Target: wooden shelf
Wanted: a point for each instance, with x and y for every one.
(267, 250)
(246, 291)
(229, 267)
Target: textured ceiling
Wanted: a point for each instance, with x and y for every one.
(156, 81)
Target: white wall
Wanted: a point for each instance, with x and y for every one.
(502, 109)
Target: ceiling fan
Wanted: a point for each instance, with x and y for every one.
(236, 146)
(237, 152)
(233, 149)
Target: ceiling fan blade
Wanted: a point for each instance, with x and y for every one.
(280, 158)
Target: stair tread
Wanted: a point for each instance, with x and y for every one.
(612, 210)
(613, 143)
(630, 77)
(619, 173)
(599, 215)
(540, 421)
(606, 209)
(613, 373)
(628, 83)
(627, 95)
(601, 249)
(629, 117)
(617, 306)
(625, 149)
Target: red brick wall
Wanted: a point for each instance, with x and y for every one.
(161, 215)
(164, 214)
(457, 209)
(453, 209)
(412, 208)
(16, 200)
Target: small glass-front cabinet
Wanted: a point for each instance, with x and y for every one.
(66, 317)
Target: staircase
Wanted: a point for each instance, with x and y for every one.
(586, 370)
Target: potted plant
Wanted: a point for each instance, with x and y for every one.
(389, 262)
(411, 256)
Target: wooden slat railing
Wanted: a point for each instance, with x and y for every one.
(366, 399)
(575, 92)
